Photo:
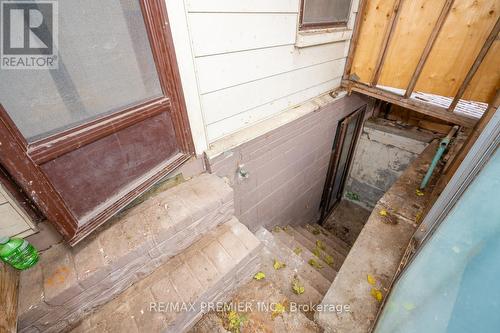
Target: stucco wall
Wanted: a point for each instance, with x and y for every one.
(286, 167)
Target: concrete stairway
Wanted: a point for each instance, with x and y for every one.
(311, 256)
(179, 245)
(176, 295)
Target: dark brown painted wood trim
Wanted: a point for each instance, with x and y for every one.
(131, 195)
(158, 27)
(419, 106)
(48, 149)
(20, 196)
(475, 66)
(354, 39)
(428, 47)
(389, 32)
(325, 25)
(31, 178)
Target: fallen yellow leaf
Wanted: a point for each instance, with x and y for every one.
(259, 276)
(377, 294)
(382, 212)
(315, 264)
(419, 193)
(297, 286)
(279, 309)
(278, 264)
(371, 280)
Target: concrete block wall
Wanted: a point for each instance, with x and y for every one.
(286, 166)
(385, 149)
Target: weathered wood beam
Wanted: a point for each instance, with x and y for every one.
(428, 47)
(475, 66)
(481, 124)
(355, 38)
(9, 284)
(419, 106)
(389, 32)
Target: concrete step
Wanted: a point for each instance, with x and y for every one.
(287, 239)
(283, 279)
(327, 258)
(294, 261)
(328, 238)
(210, 323)
(205, 273)
(338, 257)
(260, 299)
(69, 282)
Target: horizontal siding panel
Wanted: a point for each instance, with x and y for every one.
(11, 223)
(226, 70)
(239, 121)
(228, 102)
(262, 6)
(216, 33)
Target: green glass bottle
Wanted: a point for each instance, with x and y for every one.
(18, 253)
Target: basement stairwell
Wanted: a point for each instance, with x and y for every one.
(165, 264)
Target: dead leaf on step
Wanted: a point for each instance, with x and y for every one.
(297, 286)
(328, 259)
(419, 193)
(316, 251)
(315, 264)
(320, 244)
(377, 294)
(388, 218)
(259, 276)
(316, 231)
(371, 280)
(297, 250)
(279, 309)
(235, 321)
(278, 264)
(277, 228)
(418, 217)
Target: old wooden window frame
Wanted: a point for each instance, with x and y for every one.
(323, 25)
(22, 159)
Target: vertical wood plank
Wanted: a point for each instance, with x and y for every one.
(428, 47)
(354, 39)
(386, 41)
(475, 66)
(9, 284)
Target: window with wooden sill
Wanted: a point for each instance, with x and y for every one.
(324, 21)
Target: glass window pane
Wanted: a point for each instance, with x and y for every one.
(105, 65)
(452, 284)
(325, 11)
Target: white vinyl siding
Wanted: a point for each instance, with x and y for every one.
(247, 63)
(13, 220)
